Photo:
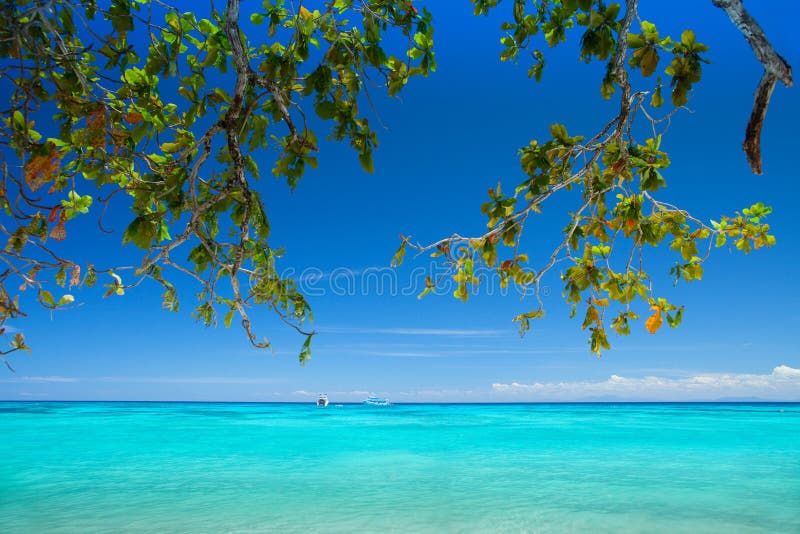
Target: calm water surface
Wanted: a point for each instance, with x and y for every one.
(194, 468)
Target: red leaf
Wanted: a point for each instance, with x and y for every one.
(53, 214)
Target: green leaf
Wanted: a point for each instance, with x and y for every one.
(305, 352)
(47, 298)
(365, 158)
(140, 232)
(657, 100)
(66, 299)
(397, 259)
(19, 121)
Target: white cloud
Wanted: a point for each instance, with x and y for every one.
(783, 383)
(787, 372)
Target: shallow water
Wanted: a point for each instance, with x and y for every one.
(192, 467)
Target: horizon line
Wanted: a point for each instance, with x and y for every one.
(357, 403)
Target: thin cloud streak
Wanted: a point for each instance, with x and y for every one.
(457, 354)
(335, 395)
(400, 354)
(140, 380)
(185, 380)
(416, 331)
(317, 275)
(440, 395)
(783, 383)
(40, 379)
(406, 350)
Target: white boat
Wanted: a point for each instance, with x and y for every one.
(322, 400)
(376, 401)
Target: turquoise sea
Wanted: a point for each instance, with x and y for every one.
(196, 467)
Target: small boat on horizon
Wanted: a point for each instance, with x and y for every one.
(322, 400)
(376, 401)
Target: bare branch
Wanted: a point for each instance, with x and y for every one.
(775, 68)
(752, 136)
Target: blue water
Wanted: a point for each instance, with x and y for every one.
(183, 467)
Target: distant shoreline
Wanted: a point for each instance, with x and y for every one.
(357, 403)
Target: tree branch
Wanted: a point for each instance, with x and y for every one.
(775, 68)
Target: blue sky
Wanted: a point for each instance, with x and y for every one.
(447, 140)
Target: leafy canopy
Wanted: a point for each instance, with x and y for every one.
(172, 117)
(139, 106)
(615, 175)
